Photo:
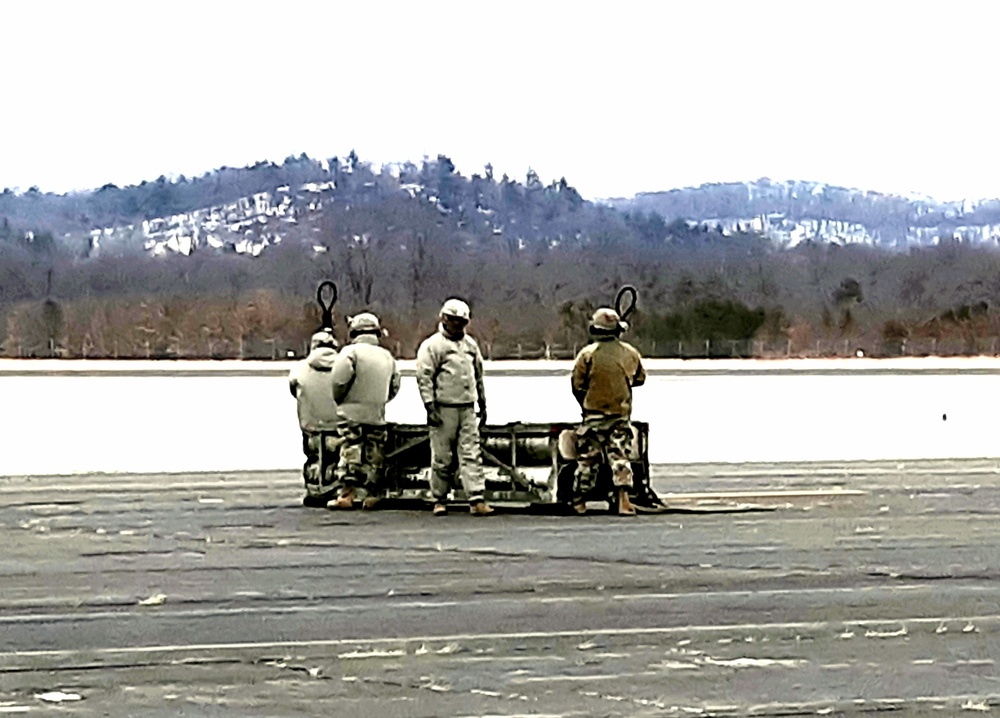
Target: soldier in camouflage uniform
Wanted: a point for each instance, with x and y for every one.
(311, 383)
(365, 378)
(603, 376)
(450, 379)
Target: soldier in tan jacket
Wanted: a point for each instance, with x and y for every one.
(603, 376)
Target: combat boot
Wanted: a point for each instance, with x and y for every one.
(625, 507)
(481, 508)
(316, 501)
(345, 500)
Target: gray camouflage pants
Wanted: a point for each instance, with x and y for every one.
(361, 455)
(319, 469)
(455, 450)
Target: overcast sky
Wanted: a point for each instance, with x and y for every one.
(619, 97)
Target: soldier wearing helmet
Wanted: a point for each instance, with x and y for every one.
(365, 378)
(450, 379)
(311, 383)
(603, 376)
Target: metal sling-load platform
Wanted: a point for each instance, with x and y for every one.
(523, 465)
(517, 459)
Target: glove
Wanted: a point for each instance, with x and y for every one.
(433, 415)
(482, 415)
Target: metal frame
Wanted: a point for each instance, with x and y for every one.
(521, 462)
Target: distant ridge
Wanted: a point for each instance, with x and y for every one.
(244, 210)
(795, 211)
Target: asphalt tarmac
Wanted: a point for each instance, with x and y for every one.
(766, 590)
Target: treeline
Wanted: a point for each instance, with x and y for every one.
(112, 205)
(533, 259)
(716, 297)
(525, 204)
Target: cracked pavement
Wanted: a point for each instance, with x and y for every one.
(769, 589)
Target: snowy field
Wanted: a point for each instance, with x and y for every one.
(106, 416)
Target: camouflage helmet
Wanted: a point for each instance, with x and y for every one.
(456, 308)
(364, 322)
(322, 338)
(606, 319)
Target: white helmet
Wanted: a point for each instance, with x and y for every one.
(456, 308)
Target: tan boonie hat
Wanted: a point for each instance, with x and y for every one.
(456, 308)
(607, 320)
(364, 322)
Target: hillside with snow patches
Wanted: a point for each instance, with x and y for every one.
(792, 212)
(246, 210)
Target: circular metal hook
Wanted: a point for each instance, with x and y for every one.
(327, 307)
(633, 294)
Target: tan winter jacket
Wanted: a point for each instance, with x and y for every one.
(365, 377)
(311, 383)
(603, 376)
(449, 371)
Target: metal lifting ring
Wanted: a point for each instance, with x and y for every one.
(327, 307)
(631, 291)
